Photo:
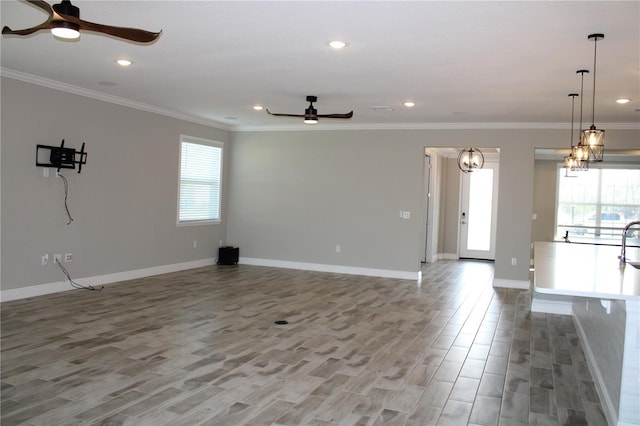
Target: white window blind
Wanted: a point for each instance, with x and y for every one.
(200, 181)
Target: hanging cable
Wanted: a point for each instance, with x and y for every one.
(66, 196)
(75, 284)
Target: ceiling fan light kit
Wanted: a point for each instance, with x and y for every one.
(66, 30)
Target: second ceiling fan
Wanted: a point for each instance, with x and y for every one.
(311, 115)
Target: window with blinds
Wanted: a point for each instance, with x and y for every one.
(200, 181)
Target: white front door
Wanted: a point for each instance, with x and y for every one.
(478, 207)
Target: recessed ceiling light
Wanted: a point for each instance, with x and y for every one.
(258, 107)
(124, 62)
(337, 44)
(409, 104)
(623, 100)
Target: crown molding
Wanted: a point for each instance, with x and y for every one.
(63, 87)
(87, 93)
(425, 126)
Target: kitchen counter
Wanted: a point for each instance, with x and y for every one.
(603, 297)
(585, 270)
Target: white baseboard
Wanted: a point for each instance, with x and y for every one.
(55, 287)
(558, 307)
(338, 269)
(519, 284)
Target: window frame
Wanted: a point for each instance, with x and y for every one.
(598, 228)
(207, 142)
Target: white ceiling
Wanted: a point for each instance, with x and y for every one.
(498, 63)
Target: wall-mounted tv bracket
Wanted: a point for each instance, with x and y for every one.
(60, 157)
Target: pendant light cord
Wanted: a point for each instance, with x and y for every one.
(573, 102)
(593, 105)
(581, 72)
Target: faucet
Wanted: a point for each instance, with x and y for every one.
(623, 257)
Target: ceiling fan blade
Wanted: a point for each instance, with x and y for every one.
(44, 26)
(347, 115)
(42, 5)
(132, 34)
(284, 115)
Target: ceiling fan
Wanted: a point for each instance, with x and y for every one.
(64, 21)
(311, 114)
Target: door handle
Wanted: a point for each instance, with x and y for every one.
(463, 220)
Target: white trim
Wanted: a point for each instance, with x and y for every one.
(92, 94)
(558, 307)
(422, 126)
(520, 284)
(55, 287)
(609, 409)
(80, 91)
(338, 269)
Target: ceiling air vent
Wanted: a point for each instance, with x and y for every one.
(382, 108)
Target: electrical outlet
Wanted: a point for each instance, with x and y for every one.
(514, 261)
(57, 258)
(338, 249)
(45, 259)
(68, 257)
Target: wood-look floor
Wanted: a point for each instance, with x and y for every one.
(201, 347)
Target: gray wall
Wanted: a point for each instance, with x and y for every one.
(289, 196)
(449, 218)
(295, 195)
(544, 199)
(124, 201)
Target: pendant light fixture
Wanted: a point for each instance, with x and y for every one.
(470, 159)
(592, 137)
(570, 163)
(581, 152)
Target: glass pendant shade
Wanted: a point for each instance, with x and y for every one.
(569, 162)
(593, 139)
(580, 155)
(470, 159)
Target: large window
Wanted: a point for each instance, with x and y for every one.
(200, 181)
(596, 204)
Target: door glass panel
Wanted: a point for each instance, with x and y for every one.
(480, 204)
